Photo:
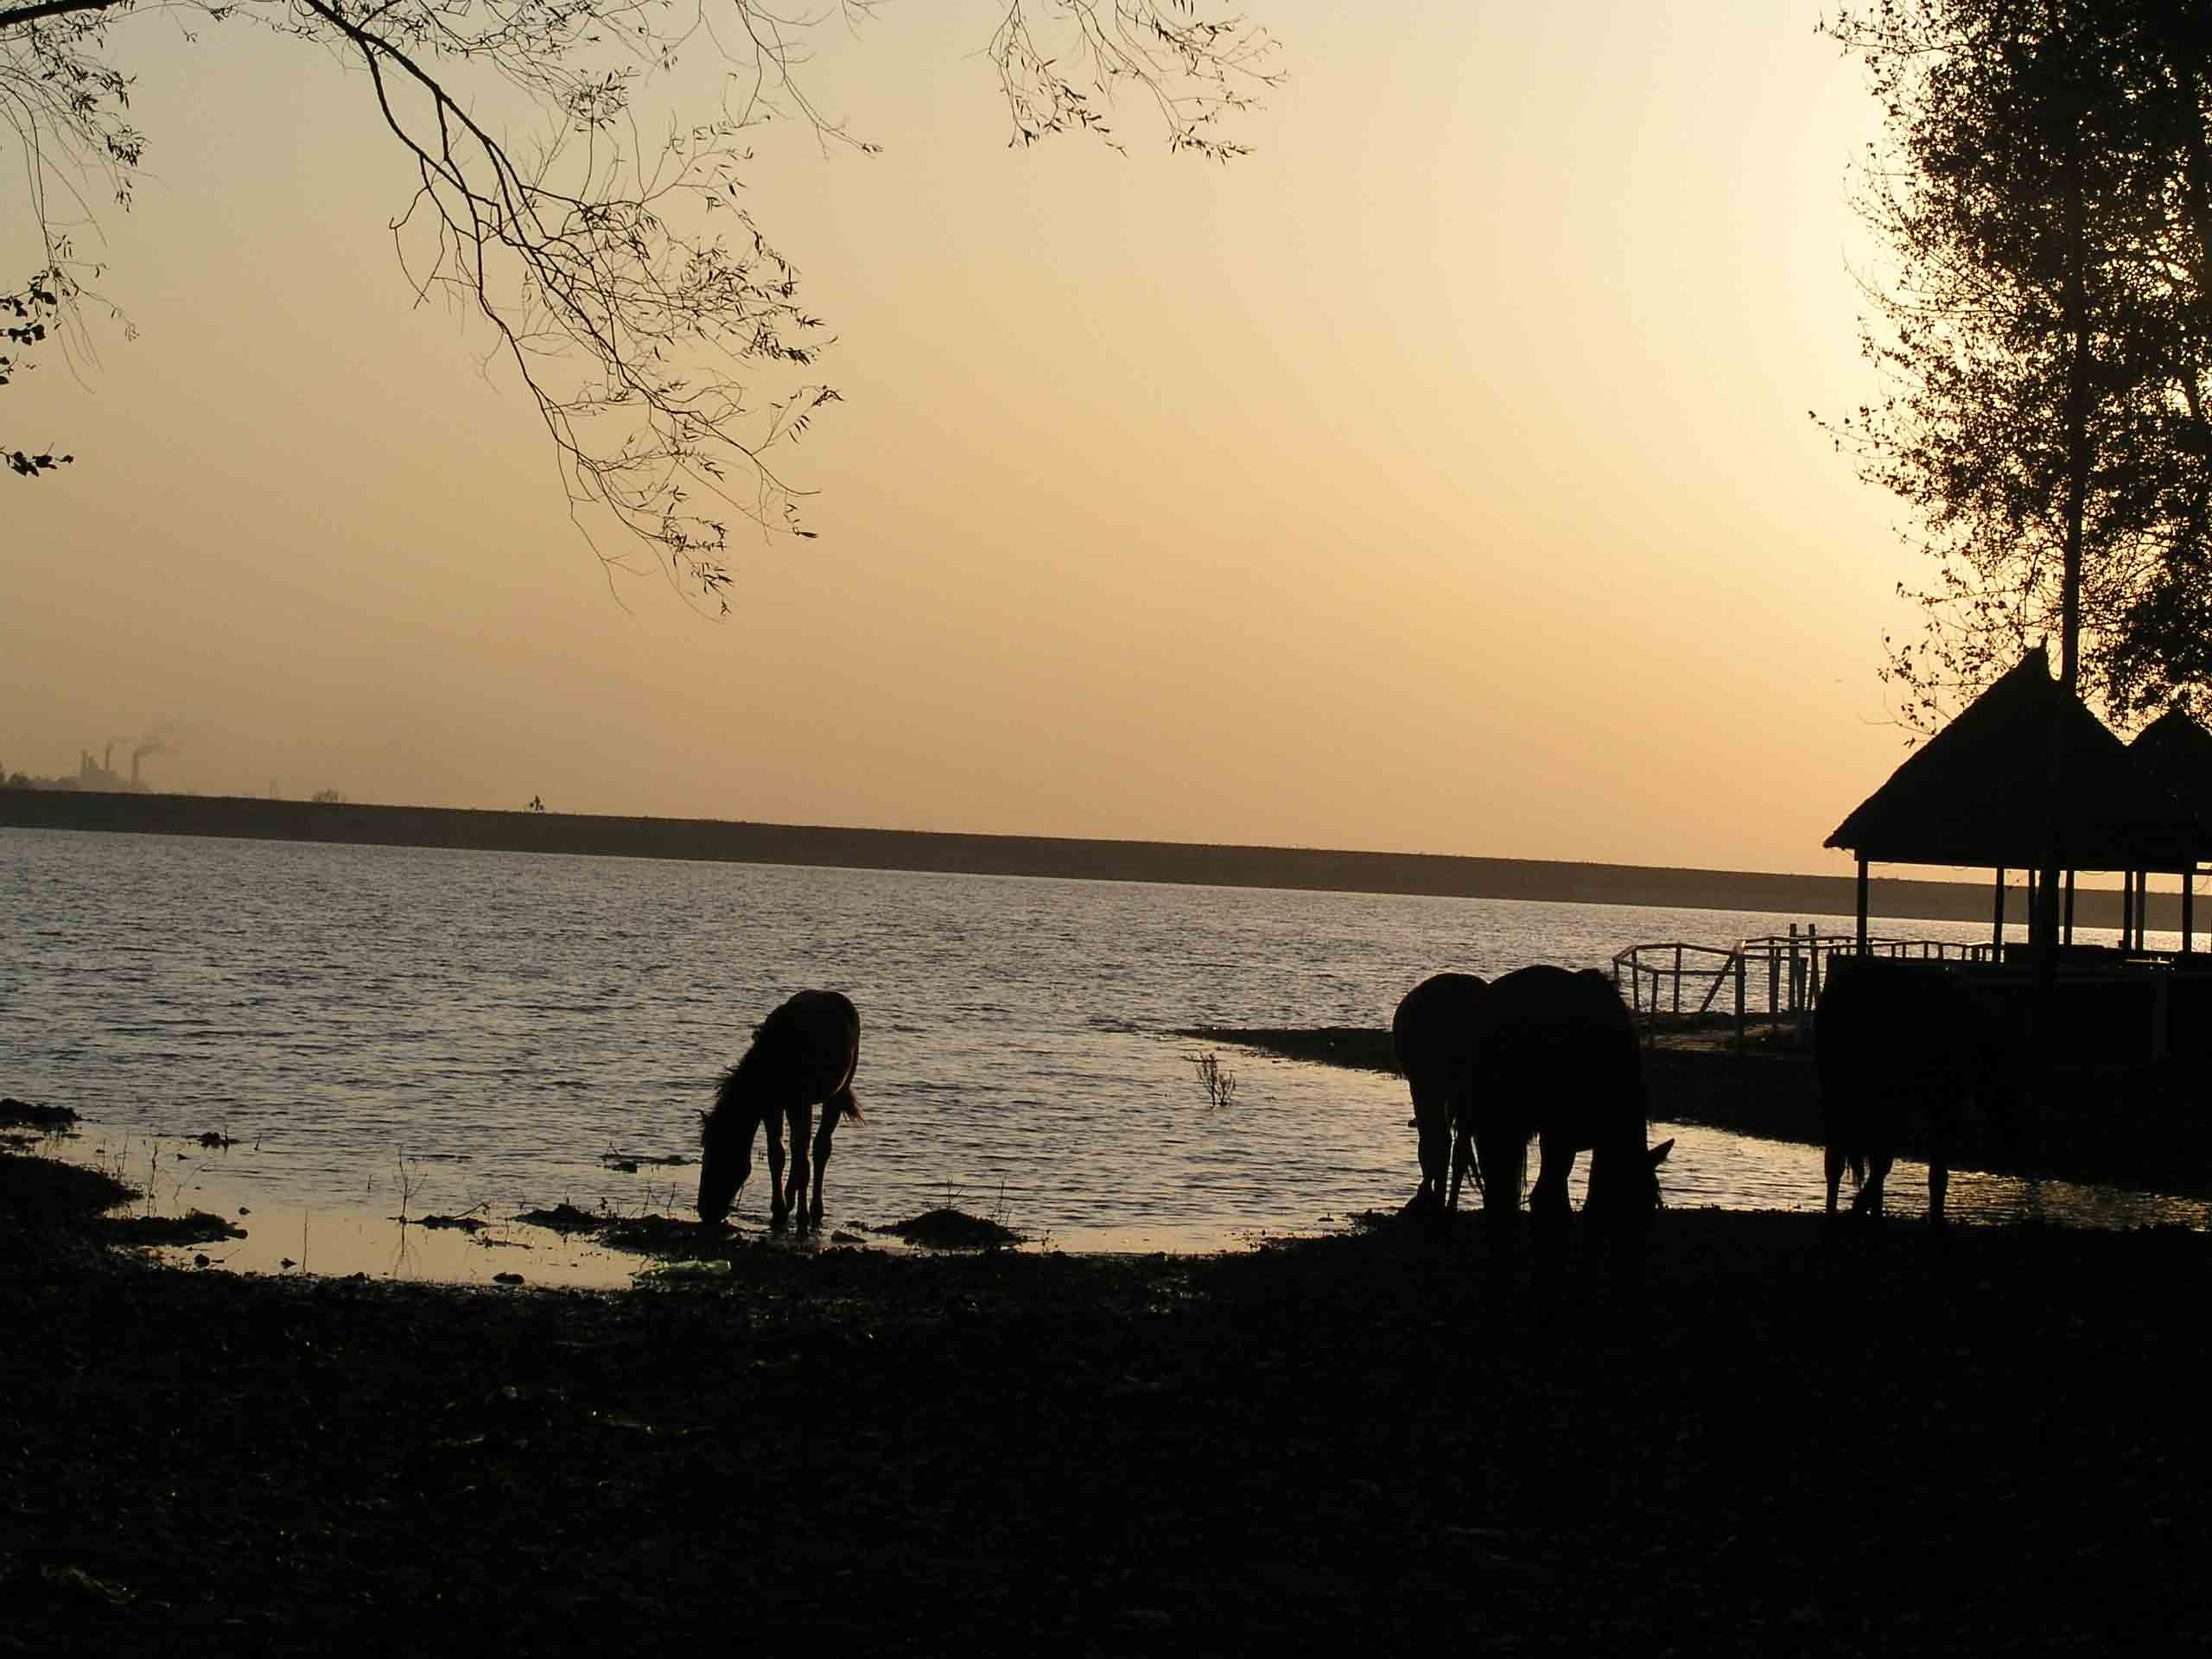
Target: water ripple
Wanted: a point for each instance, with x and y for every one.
(488, 1024)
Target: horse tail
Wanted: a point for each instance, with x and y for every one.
(844, 1105)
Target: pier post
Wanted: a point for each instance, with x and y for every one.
(1739, 1000)
(2126, 910)
(1997, 930)
(2188, 912)
(2069, 908)
(1796, 985)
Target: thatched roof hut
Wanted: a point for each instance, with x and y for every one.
(2027, 778)
(2177, 752)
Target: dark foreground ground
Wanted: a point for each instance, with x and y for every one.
(1796, 1441)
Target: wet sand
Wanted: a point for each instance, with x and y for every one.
(1793, 1439)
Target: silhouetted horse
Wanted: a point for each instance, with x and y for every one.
(803, 1054)
(1433, 1037)
(1556, 1061)
(1899, 1045)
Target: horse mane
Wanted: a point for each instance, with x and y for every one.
(736, 1084)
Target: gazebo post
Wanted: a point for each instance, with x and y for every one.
(2127, 910)
(2069, 908)
(1997, 928)
(1862, 904)
(2188, 912)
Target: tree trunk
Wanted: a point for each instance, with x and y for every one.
(2080, 390)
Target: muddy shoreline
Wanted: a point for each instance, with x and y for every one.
(1795, 1439)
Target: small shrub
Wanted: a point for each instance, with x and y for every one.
(1216, 1080)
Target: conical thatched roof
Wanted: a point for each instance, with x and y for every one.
(2025, 777)
(2177, 752)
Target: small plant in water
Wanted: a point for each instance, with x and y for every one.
(1216, 1080)
(411, 1182)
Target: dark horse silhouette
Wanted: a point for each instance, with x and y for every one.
(1432, 1038)
(804, 1054)
(1899, 1046)
(1556, 1061)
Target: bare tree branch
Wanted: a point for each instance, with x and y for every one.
(658, 330)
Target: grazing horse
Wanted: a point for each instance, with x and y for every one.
(803, 1054)
(1557, 1062)
(1899, 1045)
(1432, 1038)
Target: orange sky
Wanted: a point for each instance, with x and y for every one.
(1436, 478)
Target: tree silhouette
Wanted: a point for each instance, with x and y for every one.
(2045, 195)
(659, 332)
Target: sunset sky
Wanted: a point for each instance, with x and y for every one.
(1437, 478)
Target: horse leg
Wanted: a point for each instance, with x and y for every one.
(1463, 1160)
(778, 1201)
(795, 1200)
(1549, 1209)
(1463, 1137)
(1433, 1117)
(1941, 1118)
(1869, 1201)
(1836, 1158)
(1500, 1156)
(832, 1109)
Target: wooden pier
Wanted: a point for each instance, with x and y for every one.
(1772, 982)
(2114, 1005)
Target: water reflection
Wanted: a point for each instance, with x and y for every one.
(1734, 1171)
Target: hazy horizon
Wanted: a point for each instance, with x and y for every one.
(1436, 478)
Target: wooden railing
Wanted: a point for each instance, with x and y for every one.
(1773, 981)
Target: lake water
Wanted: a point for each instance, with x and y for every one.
(379, 1029)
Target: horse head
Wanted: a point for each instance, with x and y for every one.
(1624, 1189)
(725, 1159)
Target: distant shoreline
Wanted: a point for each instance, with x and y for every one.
(1298, 869)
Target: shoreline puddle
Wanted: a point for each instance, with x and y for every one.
(486, 1242)
(491, 1245)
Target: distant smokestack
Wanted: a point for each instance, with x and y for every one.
(146, 746)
